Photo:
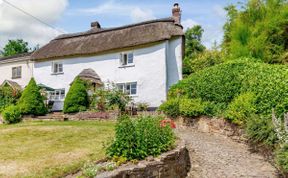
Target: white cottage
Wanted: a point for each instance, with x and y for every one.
(16, 69)
(142, 59)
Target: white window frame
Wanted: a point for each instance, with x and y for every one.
(16, 72)
(57, 67)
(128, 88)
(56, 95)
(127, 59)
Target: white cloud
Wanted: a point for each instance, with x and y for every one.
(138, 15)
(15, 24)
(188, 23)
(135, 13)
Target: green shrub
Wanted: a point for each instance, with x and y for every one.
(282, 158)
(191, 107)
(261, 130)
(31, 101)
(241, 108)
(139, 138)
(170, 108)
(142, 106)
(77, 97)
(8, 96)
(224, 82)
(12, 115)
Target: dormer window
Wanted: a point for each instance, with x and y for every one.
(127, 59)
(57, 68)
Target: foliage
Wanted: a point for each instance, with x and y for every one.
(31, 101)
(224, 82)
(206, 59)
(193, 46)
(282, 158)
(14, 47)
(11, 115)
(241, 108)
(170, 108)
(8, 96)
(260, 130)
(108, 98)
(258, 30)
(139, 138)
(77, 97)
(142, 106)
(191, 107)
(90, 170)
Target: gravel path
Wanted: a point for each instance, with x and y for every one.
(216, 156)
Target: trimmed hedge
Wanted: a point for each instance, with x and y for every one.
(31, 101)
(224, 82)
(77, 97)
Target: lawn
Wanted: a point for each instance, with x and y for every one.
(51, 149)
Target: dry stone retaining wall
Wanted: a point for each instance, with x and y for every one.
(172, 164)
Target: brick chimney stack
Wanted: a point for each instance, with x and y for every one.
(176, 13)
(95, 25)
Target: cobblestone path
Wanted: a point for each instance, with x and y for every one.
(216, 156)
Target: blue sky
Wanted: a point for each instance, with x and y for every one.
(76, 15)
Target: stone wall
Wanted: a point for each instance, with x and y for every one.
(172, 164)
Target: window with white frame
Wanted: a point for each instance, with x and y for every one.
(16, 72)
(128, 88)
(127, 58)
(57, 67)
(56, 95)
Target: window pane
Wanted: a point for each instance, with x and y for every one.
(60, 67)
(130, 58)
(133, 91)
(128, 87)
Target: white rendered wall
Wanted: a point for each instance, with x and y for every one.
(174, 61)
(6, 72)
(149, 72)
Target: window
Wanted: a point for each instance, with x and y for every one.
(57, 67)
(129, 88)
(56, 95)
(16, 72)
(127, 59)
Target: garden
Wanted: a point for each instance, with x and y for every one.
(60, 148)
(243, 80)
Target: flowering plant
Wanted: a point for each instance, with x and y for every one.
(168, 121)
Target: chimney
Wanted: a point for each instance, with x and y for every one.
(95, 25)
(176, 13)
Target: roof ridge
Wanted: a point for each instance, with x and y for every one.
(103, 30)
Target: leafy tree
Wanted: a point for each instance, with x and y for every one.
(14, 47)
(77, 97)
(31, 101)
(193, 46)
(258, 30)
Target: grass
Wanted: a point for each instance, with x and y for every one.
(51, 149)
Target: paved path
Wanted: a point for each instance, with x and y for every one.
(216, 156)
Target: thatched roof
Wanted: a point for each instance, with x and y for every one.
(15, 58)
(13, 85)
(99, 40)
(91, 76)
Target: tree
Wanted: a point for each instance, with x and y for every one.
(258, 30)
(193, 46)
(77, 97)
(14, 47)
(31, 101)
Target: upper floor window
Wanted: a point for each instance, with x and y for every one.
(127, 59)
(128, 88)
(57, 67)
(16, 72)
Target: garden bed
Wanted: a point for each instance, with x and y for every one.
(172, 164)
